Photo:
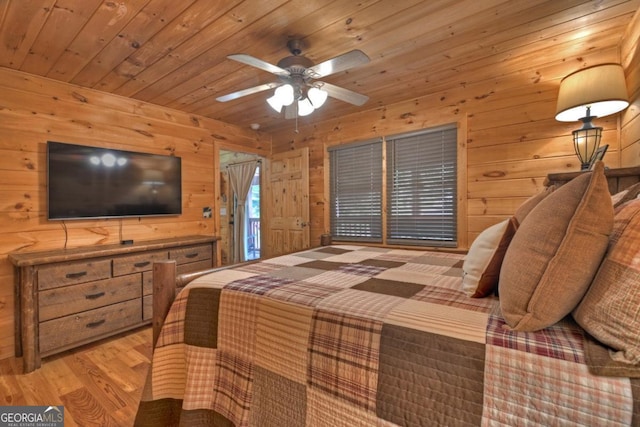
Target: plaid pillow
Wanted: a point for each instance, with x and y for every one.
(624, 196)
(610, 311)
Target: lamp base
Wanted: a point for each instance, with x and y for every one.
(584, 166)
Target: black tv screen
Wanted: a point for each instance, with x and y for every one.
(92, 182)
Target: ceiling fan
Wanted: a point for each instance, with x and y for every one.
(297, 90)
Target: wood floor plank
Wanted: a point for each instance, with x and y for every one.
(118, 371)
(98, 384)
(10, 390)
(60, 375)
(37, 390)
(86, 410)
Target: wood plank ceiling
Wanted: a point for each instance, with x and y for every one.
(173, 53)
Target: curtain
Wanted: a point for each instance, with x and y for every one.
(240, 177)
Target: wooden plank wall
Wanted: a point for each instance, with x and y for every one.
(630, 127)
(513, 140)
(34, 110)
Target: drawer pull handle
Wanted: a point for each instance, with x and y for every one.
(191, 255)
(141, 264)
(76, 275)
(95, 324)
(94, 296)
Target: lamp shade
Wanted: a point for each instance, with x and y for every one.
(317, 97)
(282, 96)
(601, 87)
(285, 94)
(275, 103)
(304, 107)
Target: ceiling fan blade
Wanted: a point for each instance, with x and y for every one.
(259, 63)
(343, 94)
(248, 91)
(337, 64)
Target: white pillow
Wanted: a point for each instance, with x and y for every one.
(481, 267)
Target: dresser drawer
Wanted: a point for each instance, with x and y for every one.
(191, 254)
(147, 307)
(137, 263)
(194, 266)
(57, 275)
(147, 283)
(61, 302)
(68, 330)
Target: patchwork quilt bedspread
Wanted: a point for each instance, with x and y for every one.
(346, 336)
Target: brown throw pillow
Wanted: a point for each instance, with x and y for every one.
(610, 311)
(527, 206)
(481, 267)
(556, 252)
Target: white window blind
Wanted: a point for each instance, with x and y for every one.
(356, 191)
(421, 188)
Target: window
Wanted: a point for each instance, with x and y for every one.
(420, 189)
(356, 192)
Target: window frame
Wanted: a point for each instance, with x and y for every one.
(461, 204)
(414, 161)
(354, 183)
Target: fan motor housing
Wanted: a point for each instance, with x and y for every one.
(295, 64)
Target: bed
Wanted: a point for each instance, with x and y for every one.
(351, 335)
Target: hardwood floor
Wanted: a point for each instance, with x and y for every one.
(99, 384)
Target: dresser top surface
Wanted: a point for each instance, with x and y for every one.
(23, 259)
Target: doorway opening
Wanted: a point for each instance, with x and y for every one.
(249, 248)
(252, 219)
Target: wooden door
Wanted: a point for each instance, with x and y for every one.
(286, 202)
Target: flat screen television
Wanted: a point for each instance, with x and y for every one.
(93, 182)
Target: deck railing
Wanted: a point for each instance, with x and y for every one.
(253, 238)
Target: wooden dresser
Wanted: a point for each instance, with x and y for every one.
(66, 298)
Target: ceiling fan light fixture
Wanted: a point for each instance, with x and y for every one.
(305, 107)
(296, 93)
(275, 103)
(317, 97)
(285, 94)
(282, 96)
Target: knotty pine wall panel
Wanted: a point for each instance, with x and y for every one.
(630, 127)
(512, 140)
(34, 110)
(630, 136)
